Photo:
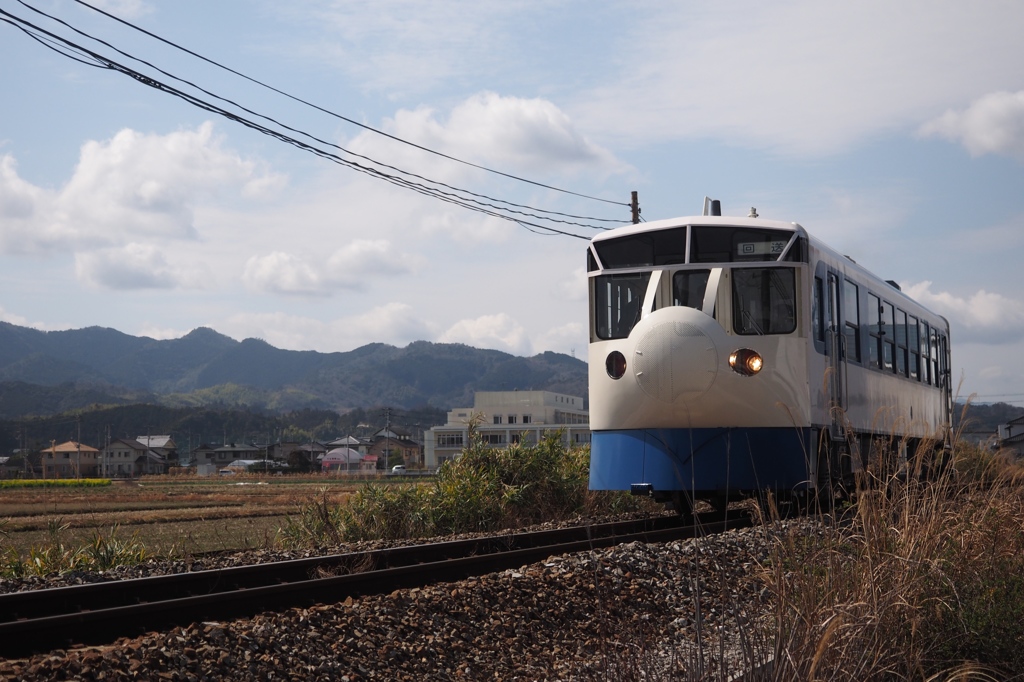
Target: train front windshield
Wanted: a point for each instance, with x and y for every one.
(764, 299)
(617, 303)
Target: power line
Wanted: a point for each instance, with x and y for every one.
(465, 202)
(327, 111)
(107, 63)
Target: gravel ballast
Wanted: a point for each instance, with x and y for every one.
(629, 612)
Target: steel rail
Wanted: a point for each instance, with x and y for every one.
(98, 613)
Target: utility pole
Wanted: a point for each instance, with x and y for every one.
(78, 448)
(387, 436)
(634, 205)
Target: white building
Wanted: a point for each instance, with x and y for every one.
(1011, 435)
(504, 417)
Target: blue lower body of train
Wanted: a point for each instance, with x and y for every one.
(720, 461)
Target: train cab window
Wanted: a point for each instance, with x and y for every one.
(617, 303)
(817, 320)
(925, 374)
(736, 244)
(688, 287)
(901, 342)
(914, 345)
(851, 311)
(764, 301)
(661, 247)
(934, 343)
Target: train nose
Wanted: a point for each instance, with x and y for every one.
(675, 361)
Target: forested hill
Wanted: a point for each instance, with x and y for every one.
(51, 372)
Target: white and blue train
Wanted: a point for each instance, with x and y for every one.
(732, 356)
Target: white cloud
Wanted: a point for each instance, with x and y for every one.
(409, 46)
(133, 266)
(350, 267)
(283, 273)
(509, 132)
(133, 187)
(159, 333)
(569, 338)
(21, 321)
(800, 77)
(498, 332)
(993, 124)
(984, 317)
(392, 323)
(574, 287)
(126, 9)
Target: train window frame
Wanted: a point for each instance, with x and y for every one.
(766, 245)
(750, 326)
(851, 319)
(638, 250)
(900, 329)
(678, 275)
(926, 376)
(887, 315)
(603, 303)
(875, 331)
(817, 318)
(914, 346)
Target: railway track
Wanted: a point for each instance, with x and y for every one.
(99, 613)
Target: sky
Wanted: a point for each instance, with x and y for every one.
(892, 131)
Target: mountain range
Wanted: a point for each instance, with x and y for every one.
(51, 372)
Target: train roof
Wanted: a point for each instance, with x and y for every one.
(711, 220)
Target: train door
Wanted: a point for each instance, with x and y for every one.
(836, 356)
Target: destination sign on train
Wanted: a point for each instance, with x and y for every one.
(759, 248)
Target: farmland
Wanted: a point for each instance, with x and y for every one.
(169, 515)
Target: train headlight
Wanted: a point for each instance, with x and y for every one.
(615, 364)
(746, 362)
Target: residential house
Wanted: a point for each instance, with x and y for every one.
(280, 451)
(1011, 435)
(124, 457)
(222, 455)
(69, 460)
(161, 445)
(501, 418)
(361, 445)
(395, 446)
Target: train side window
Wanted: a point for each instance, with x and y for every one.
(901, 342)
(817, 321)
(764, 301)
(888, 334)
(925, 375)
(851, 312)
(688, 287)
(914, 345)
(934, 343)
(874, 331)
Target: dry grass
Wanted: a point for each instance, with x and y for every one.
(919, 580)
(166, 514)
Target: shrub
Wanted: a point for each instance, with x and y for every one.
(485, 489)
(102, 553)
